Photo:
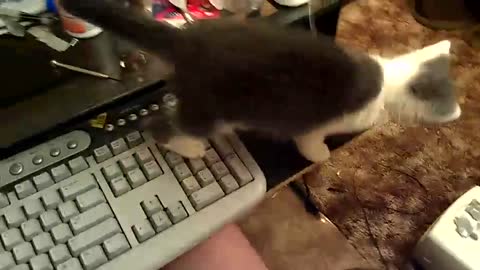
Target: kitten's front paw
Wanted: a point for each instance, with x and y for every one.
(316, 152)
(186, 146)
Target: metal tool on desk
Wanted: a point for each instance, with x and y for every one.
(182, 6)
(82, 70)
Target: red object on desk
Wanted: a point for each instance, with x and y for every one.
(199, 9)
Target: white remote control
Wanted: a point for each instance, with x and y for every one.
(452, 242)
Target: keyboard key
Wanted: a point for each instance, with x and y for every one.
(228, 184)
(6, 261)
(206, 143)
(190, 185)
(151, 206)
(71, 264)
(33, 208)
(77, 164)
(61, 233)
(205, 177)
(3, 225)
(4, 200)
(176, 212)
(143, 230)
(25, 189)
(222, 146)
(67, 210)
(60, 173)
(23, 252)
(118, 146)
(112, 171)
(51, 199)
(31, 228)
(77, 187)
(143, 156)
(14, 217)
(49, 219)
(211, 157)
(11, 238)
(219, 170)
(173, 159)
(160, 221)
(42, 242)
(136, 178)
(43, 180)
(93, 236)
(102, 153)
(134, 139)
(93, 258)
(90, 218)
(151, 169)
(89, 199)
(20, 267)
(182, 171)
(116, 245)
(196, 164)
(119, 186)
(206, 196)
(59, 254)
(239, 170)
(41, 262)
(127, 164)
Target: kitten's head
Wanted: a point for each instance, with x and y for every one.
(417, 86)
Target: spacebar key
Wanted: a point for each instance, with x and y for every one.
(206, 195)
(93, 236)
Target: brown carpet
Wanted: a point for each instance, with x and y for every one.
(387, 186)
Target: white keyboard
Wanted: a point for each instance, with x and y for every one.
(452, 242)
(128, 204)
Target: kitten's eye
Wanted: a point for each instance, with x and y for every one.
(414, 89)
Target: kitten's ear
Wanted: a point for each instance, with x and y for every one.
(433, 51)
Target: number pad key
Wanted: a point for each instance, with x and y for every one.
(152, 169)
(173, 159)
(127, 164)
(206, 196)
(239, 170)
(205, 177)
(176, 212)
(143, 156)
(119, 186)
(151, 206)
(196, 164)
(160, 221)
(190, 185)
(211, 157)
(102, 153)
(136, 178)
(111, 171)
(228, 184)
(182, 171)
(219, 170)
(143, 231)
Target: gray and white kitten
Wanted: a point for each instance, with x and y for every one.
(279, 81)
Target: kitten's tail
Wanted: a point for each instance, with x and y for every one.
(129, 23)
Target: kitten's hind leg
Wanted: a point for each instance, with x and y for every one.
(312, 146)
(186, 146)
